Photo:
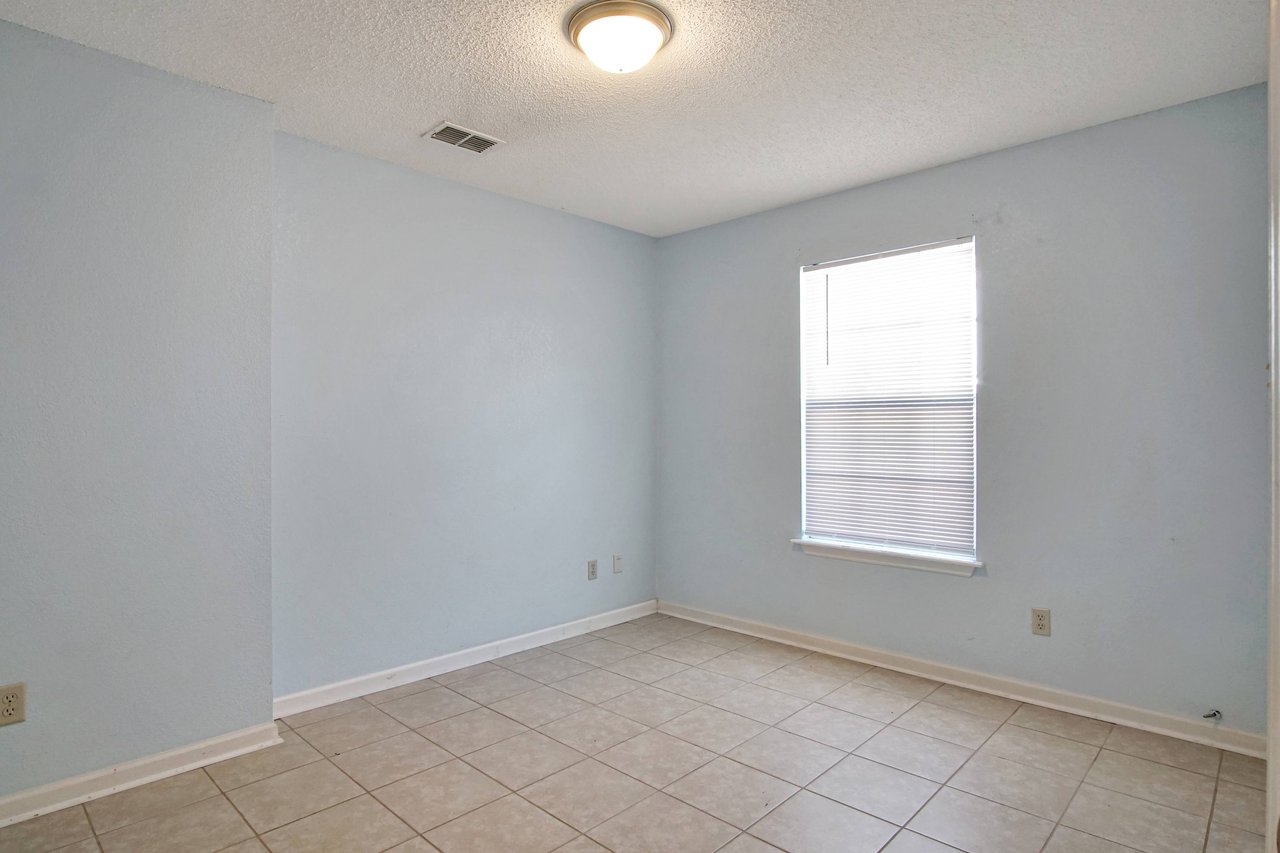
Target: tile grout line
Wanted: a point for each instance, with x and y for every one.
(326, 758)
(942, 785)
(1213, 805)
(769, 726)
(243, 818)
(454, 756)
(97, 836)
(725, 755)
(1008, 722)
(1072, 799)
(901, 828)
(1096, 784)
(511, 792)
(1082, 781)
(429, 684)
(323, 757)
(662, 790)
(974, 754)
(709, 703)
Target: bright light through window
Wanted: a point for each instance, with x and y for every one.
(889, 384)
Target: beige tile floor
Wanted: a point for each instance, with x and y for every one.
(664, 735)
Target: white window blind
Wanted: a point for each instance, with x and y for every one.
(889, 383)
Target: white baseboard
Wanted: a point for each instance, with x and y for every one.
(1198, 731)
(98, 783)
(327, 694)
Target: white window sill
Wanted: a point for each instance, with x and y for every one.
(887, 557)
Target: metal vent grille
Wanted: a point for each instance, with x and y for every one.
(451, 135)
(462, 138)
(477, 144)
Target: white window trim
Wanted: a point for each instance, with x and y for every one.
(898, 558)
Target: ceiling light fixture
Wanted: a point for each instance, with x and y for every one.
(619, 36)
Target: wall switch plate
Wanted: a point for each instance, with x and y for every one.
(617, 564)
(591, 570)
(1040, 621)
(13, 703)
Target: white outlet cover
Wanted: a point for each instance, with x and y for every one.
(1041, 624)
(13, 703)
(617, 564)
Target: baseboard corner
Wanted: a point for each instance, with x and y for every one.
(361, 685)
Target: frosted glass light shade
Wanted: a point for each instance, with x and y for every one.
(620, 37)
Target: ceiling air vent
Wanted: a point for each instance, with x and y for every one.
(462, 138)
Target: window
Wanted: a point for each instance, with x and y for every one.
(889, 388)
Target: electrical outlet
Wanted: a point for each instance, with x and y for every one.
(591, 570)
(617, 564)
(1040, 621)
(13, 703)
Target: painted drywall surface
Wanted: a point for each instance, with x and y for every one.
(1122, 477)
(134, 408)
(463, 415)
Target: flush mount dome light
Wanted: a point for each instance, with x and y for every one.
(619, 36)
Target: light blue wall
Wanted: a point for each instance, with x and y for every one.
(473, 396)
(134, 408)
(463, 415)
(1122, 472)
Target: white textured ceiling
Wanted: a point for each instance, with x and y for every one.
(753, 104)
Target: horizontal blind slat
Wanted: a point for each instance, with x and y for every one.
(889, 353)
